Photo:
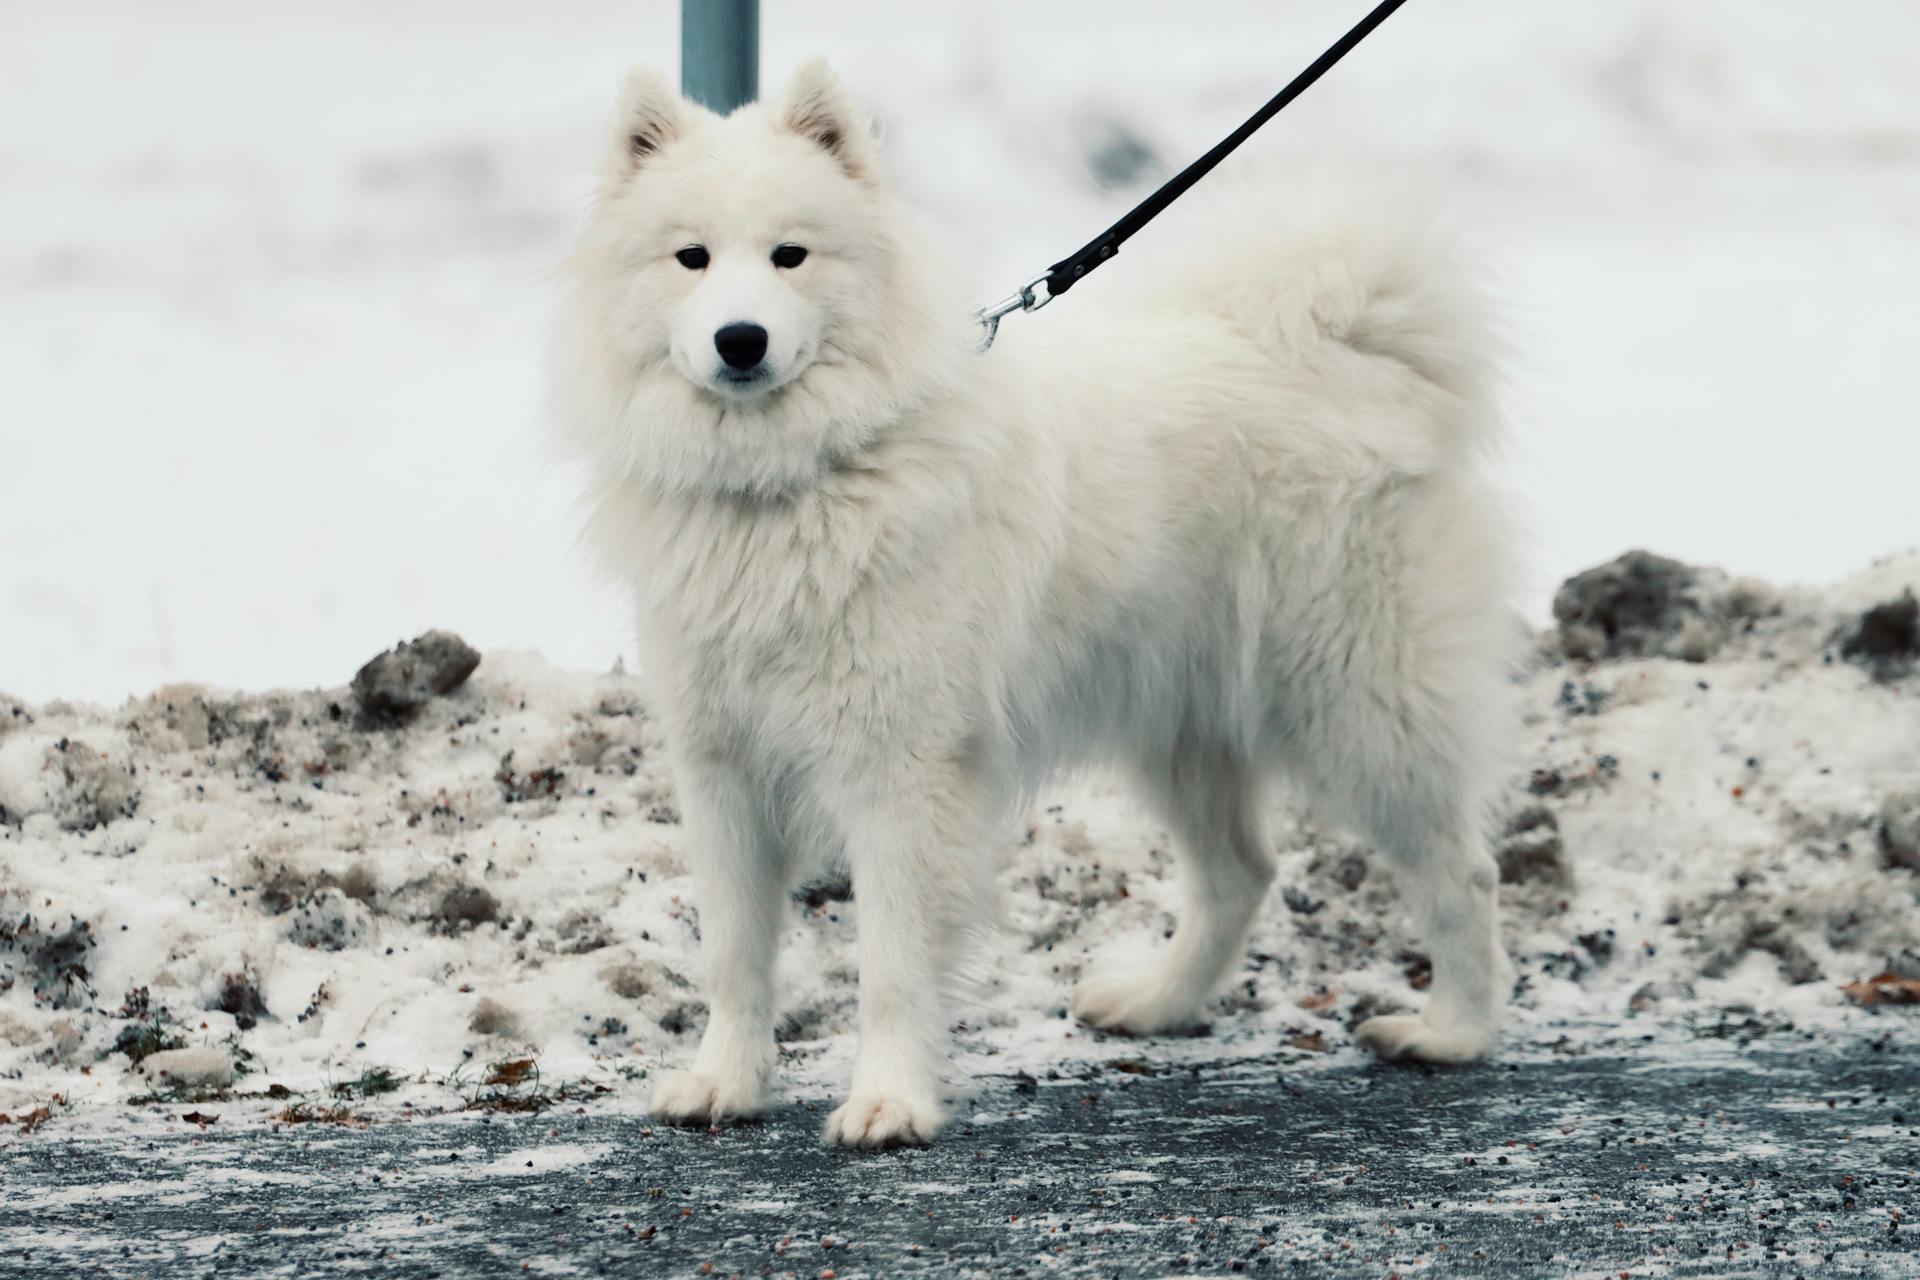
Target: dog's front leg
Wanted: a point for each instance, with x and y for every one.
(913, 845)
(739, 878)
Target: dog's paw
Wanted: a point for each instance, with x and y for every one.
(1133, 1003)
(1408, 1038)
(875, 1123)
(694, 1097)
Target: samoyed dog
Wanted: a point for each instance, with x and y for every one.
(1218, 533)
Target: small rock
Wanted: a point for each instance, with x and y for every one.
(402, 680)
(1640, 605)
(1886, 638)
(1599, 945)
(190, 1068)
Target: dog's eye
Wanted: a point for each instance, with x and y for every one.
(694, 257)
(789, 255)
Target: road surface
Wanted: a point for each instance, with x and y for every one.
(1715, 1161)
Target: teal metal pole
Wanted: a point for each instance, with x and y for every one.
(720, 52)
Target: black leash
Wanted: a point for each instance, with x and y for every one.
(1070, 270)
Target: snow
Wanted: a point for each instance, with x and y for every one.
(275, 294)
(509, 880)
(274, 309)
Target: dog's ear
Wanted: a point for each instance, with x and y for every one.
(817, 108)
(649, 115)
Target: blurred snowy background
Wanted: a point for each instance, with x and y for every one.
(274, 281)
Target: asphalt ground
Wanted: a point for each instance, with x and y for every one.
(1709, 1161)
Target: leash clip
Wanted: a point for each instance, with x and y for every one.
(1026, 298)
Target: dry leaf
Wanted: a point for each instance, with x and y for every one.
(1315, 1003)
(1887, 988)
(510, 1073)
(1312, 1042)
(200, 1118)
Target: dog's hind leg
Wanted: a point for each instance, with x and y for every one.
(1448, 886)
(1209, 798)
(1407, 778)
(740, 877)
(1399, 726)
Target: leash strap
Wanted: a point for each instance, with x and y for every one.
(1070, 270)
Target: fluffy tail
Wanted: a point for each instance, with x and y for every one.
(1358, 281)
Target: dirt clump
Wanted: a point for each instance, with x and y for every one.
(330, 921)
(240, 996)
(491, 1018)
(93, 788)
(1530, 848)
(54, 961)
(465, 906)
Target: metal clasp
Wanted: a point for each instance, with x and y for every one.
(1027, 298)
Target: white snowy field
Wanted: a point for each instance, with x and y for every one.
(274, 282)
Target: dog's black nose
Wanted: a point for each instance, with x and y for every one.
(741, 345)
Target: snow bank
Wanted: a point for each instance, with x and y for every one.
(1709, 837)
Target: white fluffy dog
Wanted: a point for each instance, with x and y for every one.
(1223, 533)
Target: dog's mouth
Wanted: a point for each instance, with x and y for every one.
(762, 380)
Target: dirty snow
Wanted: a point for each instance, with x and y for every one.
(280, 888)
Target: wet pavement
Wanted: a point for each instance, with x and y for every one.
(1712, 1161)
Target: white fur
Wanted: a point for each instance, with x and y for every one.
(1219, 534)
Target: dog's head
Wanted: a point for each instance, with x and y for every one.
(748, 303)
